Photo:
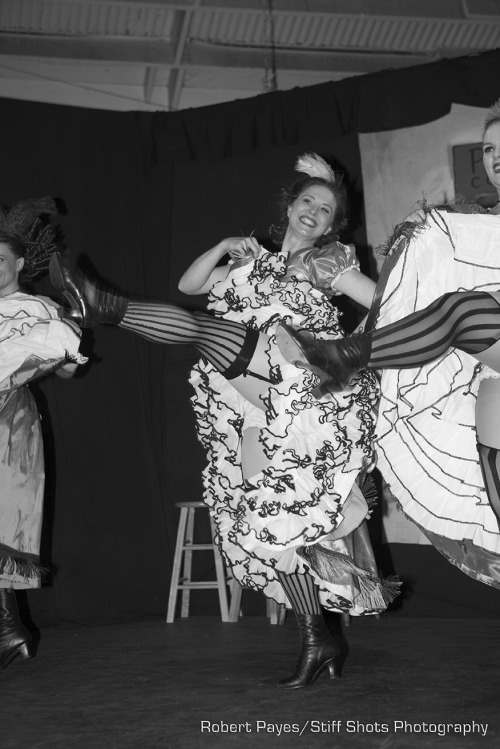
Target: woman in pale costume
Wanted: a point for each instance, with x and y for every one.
(281, 480)
(438, 441)
(34, 341)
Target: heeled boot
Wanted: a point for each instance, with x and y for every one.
(318, 652)
(90, 304)
(334, 362)
(14, 637)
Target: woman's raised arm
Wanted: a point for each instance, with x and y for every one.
(357, 286)
(204, 272)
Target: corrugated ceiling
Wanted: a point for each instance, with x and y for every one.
(187, 48)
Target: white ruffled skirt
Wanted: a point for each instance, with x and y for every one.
(426, 435)
(297, 514)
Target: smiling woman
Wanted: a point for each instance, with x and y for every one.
(10, 265)
(284, 470)
(311, 215)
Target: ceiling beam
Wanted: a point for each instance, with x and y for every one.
(181, 26)
(415, 8)
(162, 53)
(200, 54)
(94, 49)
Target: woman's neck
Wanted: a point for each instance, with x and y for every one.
(291, 245)
(8, 292)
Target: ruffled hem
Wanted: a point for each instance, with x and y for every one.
(20, 570)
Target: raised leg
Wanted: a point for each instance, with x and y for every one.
(242, 355)
(467, 320)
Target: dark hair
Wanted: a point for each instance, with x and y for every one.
(18, 249)
(26, 230)
(291, 193)
(14, 243)
(492, 116)
(34, 264)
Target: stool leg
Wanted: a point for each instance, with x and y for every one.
(271, 611)
(346, 619)
(281, 614)
(176, 568)
(236, 593)
(188, 562)
(275, 611)
(220, 571)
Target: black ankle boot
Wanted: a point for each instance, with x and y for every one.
(90, 304)
(334, 362)
(318, 652)
(14, 637)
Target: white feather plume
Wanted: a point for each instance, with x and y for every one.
(315, 166)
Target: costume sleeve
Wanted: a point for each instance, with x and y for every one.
(33, 341)
(323, 266)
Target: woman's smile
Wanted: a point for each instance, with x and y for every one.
(312, 213)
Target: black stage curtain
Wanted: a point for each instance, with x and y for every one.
(380, 101)
(143, 195)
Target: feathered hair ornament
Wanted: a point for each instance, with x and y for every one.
(24, 221)
(315, 166)
(493, 115)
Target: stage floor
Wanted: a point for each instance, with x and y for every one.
(201, 683)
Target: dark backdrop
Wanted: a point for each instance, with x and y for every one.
(144, 194)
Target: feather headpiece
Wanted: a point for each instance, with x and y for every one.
(493, 115)
(24, 220)
(315, 166)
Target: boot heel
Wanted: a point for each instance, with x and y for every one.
(25, 651)
(300, 349)
(335, 668)
(336, 359)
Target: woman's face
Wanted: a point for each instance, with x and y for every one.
(312, 212)
(10, 266)
(491, 154)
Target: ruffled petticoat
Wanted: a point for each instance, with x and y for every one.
(286, 518)
(426, 436)
(33, 342)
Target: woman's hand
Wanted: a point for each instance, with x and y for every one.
(239, 248)
(204, 272)
(66, 370)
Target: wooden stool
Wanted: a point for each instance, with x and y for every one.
(183, 557)
(276, 612)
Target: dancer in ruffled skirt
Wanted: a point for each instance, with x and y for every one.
(284, 471)
(438, 349)
(34, 342)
